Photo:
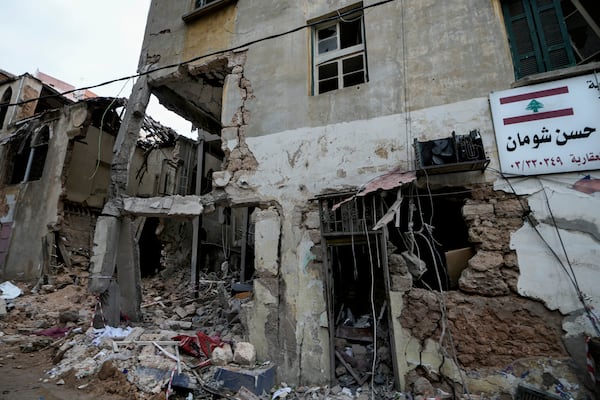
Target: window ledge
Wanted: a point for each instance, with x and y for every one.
(562, 73)
(198, 12)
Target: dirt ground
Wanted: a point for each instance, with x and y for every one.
(23, 376)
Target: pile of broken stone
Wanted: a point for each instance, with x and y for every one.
(189, 346)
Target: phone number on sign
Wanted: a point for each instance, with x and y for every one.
(534, 163)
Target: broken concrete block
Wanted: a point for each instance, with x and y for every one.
(472, 211)
(256, 380)
(245, 394)
(222, 355)
(221, 178)
(190, 309)
(181, 312)
(173, 206)
(175, 325)
(135, 334)
(245, 353)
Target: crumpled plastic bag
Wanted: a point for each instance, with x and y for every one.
(111, 332)
(9, 291)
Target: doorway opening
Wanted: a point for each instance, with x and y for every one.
(357, 283)
(150, 248)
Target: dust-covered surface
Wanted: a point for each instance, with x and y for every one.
(50, 349)
(145, 360)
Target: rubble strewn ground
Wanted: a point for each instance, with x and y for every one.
(50, 350)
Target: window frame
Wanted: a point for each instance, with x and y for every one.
(339, 54)
(197, 12)
(545, 51)
(4, 102)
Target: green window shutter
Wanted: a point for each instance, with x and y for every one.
(552, 32)
(524, 45)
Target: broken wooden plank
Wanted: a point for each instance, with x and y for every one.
(359, 380)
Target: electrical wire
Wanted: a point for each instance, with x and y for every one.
(407, 116)
(100, 134)
(207, 55)
(572, 278)
(442, 299)
(372, 298)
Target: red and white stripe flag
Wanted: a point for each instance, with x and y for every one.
(535, 106)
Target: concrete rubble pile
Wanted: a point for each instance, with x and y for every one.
(193, 345)
(189, 345)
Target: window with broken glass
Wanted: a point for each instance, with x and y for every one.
(29, 157)
(339, 53)
(546, 35)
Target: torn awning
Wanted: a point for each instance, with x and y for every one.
(390, 180)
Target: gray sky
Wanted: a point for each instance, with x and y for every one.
(82, 42)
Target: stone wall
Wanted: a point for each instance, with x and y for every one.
(77, 233)
(491, 325)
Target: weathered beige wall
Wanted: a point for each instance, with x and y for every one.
(209, 33)
(36, 210)
(87, 179)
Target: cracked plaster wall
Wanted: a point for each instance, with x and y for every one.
(294, 166)
(578, 222)
(491, 324)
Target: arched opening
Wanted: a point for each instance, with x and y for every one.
(4, 105)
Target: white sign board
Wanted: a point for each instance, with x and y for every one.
(548, 128)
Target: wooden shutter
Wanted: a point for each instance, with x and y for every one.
(524, 46)
(552, 32)
(537, 35)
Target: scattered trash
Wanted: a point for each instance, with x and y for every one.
(109, 332)
(281, 393)
(54, 332)
(9, 291)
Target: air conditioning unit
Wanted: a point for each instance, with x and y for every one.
(452, 154)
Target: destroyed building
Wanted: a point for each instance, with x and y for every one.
(55, 157)
(409, 186)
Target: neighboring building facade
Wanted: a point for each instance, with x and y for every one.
(55, 158)
(401, 107)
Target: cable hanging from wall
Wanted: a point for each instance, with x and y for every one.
(594, 320)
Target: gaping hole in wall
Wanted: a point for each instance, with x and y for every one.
(431, 236)
(196, 95)
(150, 248)
(227, 243)
(49, 101)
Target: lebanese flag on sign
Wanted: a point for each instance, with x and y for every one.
(534, 105)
